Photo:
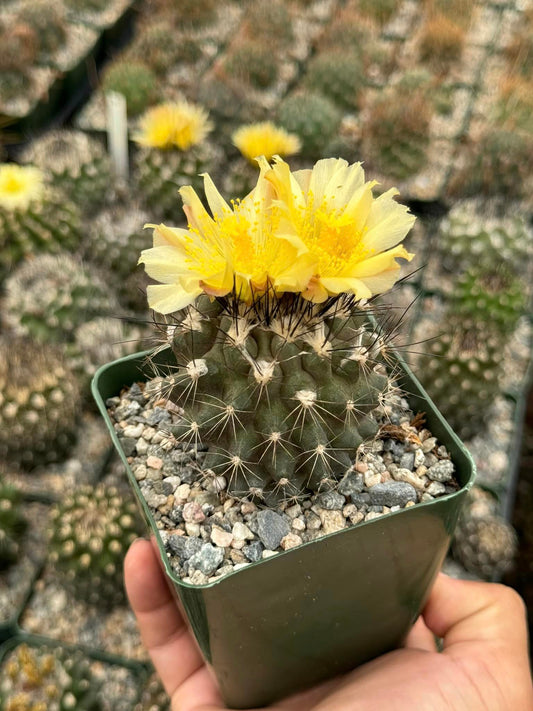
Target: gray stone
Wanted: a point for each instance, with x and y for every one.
(253, 551)
(442, 471)
(184, 546)
(361, 499)
(129, 445)
(392, 493)
(331, 500)
(154, 499)
(158, 416)
(407, 461)
(136, 394)
(271, 528)
(207, 559)
(351, 484)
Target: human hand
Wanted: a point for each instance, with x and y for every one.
(483, 666)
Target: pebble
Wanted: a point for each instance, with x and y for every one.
(331, 520)
(291, 540)
(154, 462)
(372, 478)
(182, 493)
(442, 471)
(141, 446)
(154, 500)
(253, 551)
(271, 528)
(207, 559)
(184, 546)
(436, 488)
(221, 538)
(299, 524)
(429, 444)
(241, 532)
(331, 500)
(409, 477)
(193, 513)
(134, 431)
(351, 484)
(129, 445)
(392, 493)
(192, 528)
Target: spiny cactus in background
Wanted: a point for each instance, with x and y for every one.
(514, 108)
(134, 80)
(268, 23)
(460, 11)
(33, 218)
(87, 5)
(257, 139)
(91, 531)
(12, 525)
(313, 118)
(192, 13)
(337, 74)
(472, 233)
(349, 31)
(440, 42)
(519, 50)
(39, 403)
(484, 543)
(498, 164)
(279, 374)
(48, 297)
(100, 341)
(173, 152)
(461, 373)
(47, 20)
(492, 295)
(252, 63)
(77, 163)
(19, 50)
(396, 131)
(153, 696)
(115, 238)
(156, 45)
(48, 679)
(379, 10)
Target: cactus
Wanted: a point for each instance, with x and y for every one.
(39, 403)
(48, 679)
(252, 63)
(157, 46)
(48, 297)
(397, 132)
(47, 20)
(19, 50)
(461, 373)
(312, 117)
(484, 543)
(472, 233)
(337, 74)
(33, 219)
(195, 13)
(12, 525)
(268, 23)
(91, 531)
(134, 80)
(173, 153)
(87, 5)
(153, 696)
(441, 42)
(77, 163)
(279, 375)
(519, 51)
(379, 10)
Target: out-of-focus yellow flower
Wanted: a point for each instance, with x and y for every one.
(265, 139)
(174, 124)
(331, 213)
(19, 186)
(235, 249)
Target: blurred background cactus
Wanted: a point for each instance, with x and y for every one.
(134, 80)
(313, 118)
(12, 525)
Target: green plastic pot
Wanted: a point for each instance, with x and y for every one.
(285, 623)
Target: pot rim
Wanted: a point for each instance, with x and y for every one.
(422, 394)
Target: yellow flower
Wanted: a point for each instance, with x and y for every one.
(235, 249)
(179, 124)
(331, 213)
(19, 186)
(265, 139)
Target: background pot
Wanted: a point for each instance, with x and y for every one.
(321, 609)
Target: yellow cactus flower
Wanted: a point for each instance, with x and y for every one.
(265, 139)
(19, 186)
(331, 213)
(236, 249)
(174, 124)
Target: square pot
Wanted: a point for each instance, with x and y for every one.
(318, 610)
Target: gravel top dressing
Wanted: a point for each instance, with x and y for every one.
(208, 533)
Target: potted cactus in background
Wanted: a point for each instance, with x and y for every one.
(277, 423)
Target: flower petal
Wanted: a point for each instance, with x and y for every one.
(167, 298)
(388, 222)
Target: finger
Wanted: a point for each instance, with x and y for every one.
(464, 611)
(420, 637)
(162, 628)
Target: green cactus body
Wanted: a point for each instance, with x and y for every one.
(157, 46)
(270, 23)
(12, 525)
(461, 374)
(91, 531)
(39, 402)
(397, 132)
(312, 117)
(87, 5)
(252, 63)
(153, 696)
(195, 13)
(379, 10)
(339, 75)
(49, 297)
(135, 81)
(48, 225)
(471, 234)
(161, 172)
(48, 679)
(78, 164)
(282, 402)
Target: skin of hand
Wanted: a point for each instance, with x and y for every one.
(484, 664)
